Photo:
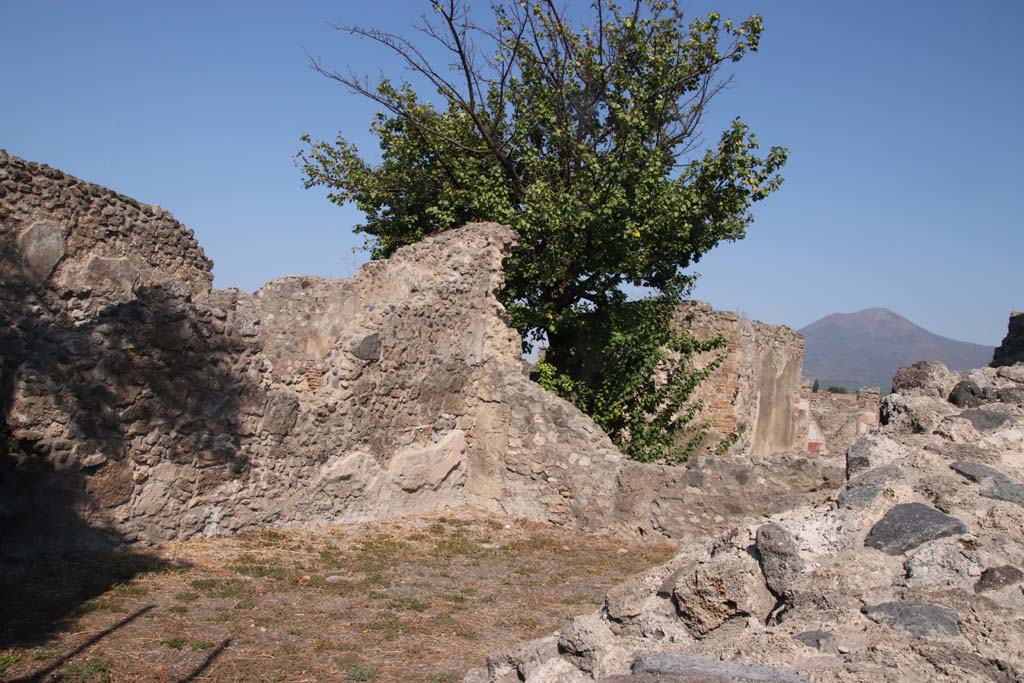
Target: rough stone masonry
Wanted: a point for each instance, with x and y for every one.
(140, 405)
(910, 573)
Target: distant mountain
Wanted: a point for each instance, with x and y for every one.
(867, 347)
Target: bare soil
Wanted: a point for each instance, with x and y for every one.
(418, 600)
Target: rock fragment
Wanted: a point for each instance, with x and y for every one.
(908, 525)
(726, 587)
(698, 669)
(984, 419)
(917, 619)
(1000, 486)
(967, 394)
(978, 473)
(866, 486)
(780, 561)
(994, 578)
(822, 641)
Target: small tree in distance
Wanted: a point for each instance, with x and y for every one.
(587, 142)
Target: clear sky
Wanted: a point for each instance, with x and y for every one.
(903, 119)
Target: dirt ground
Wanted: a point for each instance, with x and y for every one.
(418, 600)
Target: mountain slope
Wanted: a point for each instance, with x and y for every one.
(867, 347)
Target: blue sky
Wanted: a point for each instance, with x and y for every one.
(903, 121)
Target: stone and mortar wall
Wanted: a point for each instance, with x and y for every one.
(836, 420)
(1012, 349)
(757, 387)
(84, 242)
(139, 405)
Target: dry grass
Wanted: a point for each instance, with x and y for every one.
(413, 600)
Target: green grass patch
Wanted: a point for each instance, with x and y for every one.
(355, 670)
(93, 670)
(97, 605)
(221, 588)
(8, 660)
(128, 590)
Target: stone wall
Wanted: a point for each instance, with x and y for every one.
(836, 420)
(86, 243)
(757, 387)
(1012, 349)
(139, 405)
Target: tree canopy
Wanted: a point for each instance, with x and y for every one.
(583, 136)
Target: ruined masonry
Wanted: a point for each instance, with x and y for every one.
(1012, 349)
(139, 405)
(756, 391)
(836, 420)
(911, 572)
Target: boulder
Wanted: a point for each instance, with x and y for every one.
(727, 586)
(913, 413)
(1014, 373)
(924, 378)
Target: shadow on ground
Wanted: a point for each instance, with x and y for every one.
(46, 593)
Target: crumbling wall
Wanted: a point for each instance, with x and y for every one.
(836, 420)
(757, 387)
(1012, 349)
(139, 405)
(910, 572)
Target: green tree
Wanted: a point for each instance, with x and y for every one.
(587, 142)
(816, 386)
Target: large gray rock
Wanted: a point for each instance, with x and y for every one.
(967, 394)
(919, 620)
(280, 413)
(1000, 486)
(1009, 491)
(976, 472)
(906, 526)
(780, 559)
(698, 669)
(867, 486)
(868, 452)
(984, 419)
